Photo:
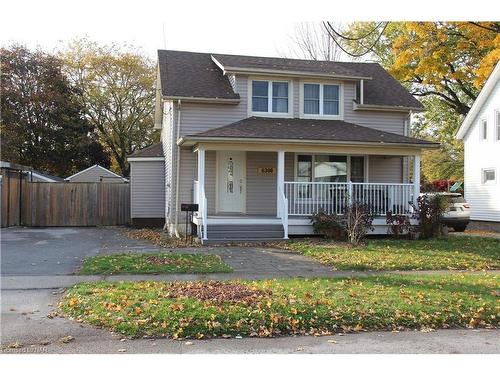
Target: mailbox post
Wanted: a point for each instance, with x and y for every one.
(189, 208)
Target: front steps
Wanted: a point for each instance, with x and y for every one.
(226, 233)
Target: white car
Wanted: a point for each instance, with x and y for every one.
(457, 216)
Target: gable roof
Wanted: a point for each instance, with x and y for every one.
(202, 75)
(105, 170)
(153, 151)
(488, 87)
(306, 130)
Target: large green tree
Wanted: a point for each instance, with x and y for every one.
(118, 95)
(42, 121)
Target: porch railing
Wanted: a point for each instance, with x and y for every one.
(307, 198)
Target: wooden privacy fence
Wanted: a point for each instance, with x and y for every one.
(74, 204)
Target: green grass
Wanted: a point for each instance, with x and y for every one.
(153, 263)
(289, 306)
(453, 252)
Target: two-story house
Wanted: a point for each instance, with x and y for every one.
(480, 132)
(263, 143)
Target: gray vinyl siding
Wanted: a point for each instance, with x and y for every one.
(147, 189)
(385, 169)
(261, 189)
(393, 122)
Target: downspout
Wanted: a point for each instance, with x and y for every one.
(177, 170)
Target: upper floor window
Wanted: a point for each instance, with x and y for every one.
(270, 96)
(321, 99)
(484, 130)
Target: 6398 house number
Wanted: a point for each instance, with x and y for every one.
(266, 170)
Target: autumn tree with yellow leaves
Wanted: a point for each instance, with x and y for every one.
(445, 64)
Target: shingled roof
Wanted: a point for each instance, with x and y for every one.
(196, 75)
(153, 151)
(307, 129)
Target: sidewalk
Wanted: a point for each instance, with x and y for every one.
(55, 282)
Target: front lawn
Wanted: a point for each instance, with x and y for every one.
(453, 252)
(290, 306)
(153, 263)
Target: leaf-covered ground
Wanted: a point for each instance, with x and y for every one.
(291, 306)
(452, 253)
(153, 263)
(159, 237)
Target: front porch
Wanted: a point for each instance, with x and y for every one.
(269, 195)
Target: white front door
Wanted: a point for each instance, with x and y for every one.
(231, 181)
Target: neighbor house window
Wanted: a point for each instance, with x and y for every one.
(489, 176)
(484, 130)
(497, 120)
(270, 96)
(321, 99)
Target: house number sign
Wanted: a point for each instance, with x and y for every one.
(267, 170)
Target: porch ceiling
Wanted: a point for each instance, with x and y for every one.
(302, 132)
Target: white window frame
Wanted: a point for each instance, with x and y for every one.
(270, 112)
(497, 124)
(313, 158)
(340, 116)
(483, 135)
(483, 172)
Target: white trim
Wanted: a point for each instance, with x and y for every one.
(361, 92)
(192, 99)
(149, 158)
(479, 102)
(192, 140)
(385, 108)
(94, 166)
(496, 113)
(269, 112)
(483, 132)
(321, 116)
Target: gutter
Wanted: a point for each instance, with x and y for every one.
(195, 99)
(177, 167)
(190, 141)
(375, 107)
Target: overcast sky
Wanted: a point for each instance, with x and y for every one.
(258, 27)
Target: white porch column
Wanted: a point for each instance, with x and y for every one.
(280, 180)
(201, 171)
(202, 208)
(416, 178)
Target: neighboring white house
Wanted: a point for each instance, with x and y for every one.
(480, 132)
(96, 173)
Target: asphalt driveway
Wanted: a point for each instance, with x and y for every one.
(39, 252)
(59, 251)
